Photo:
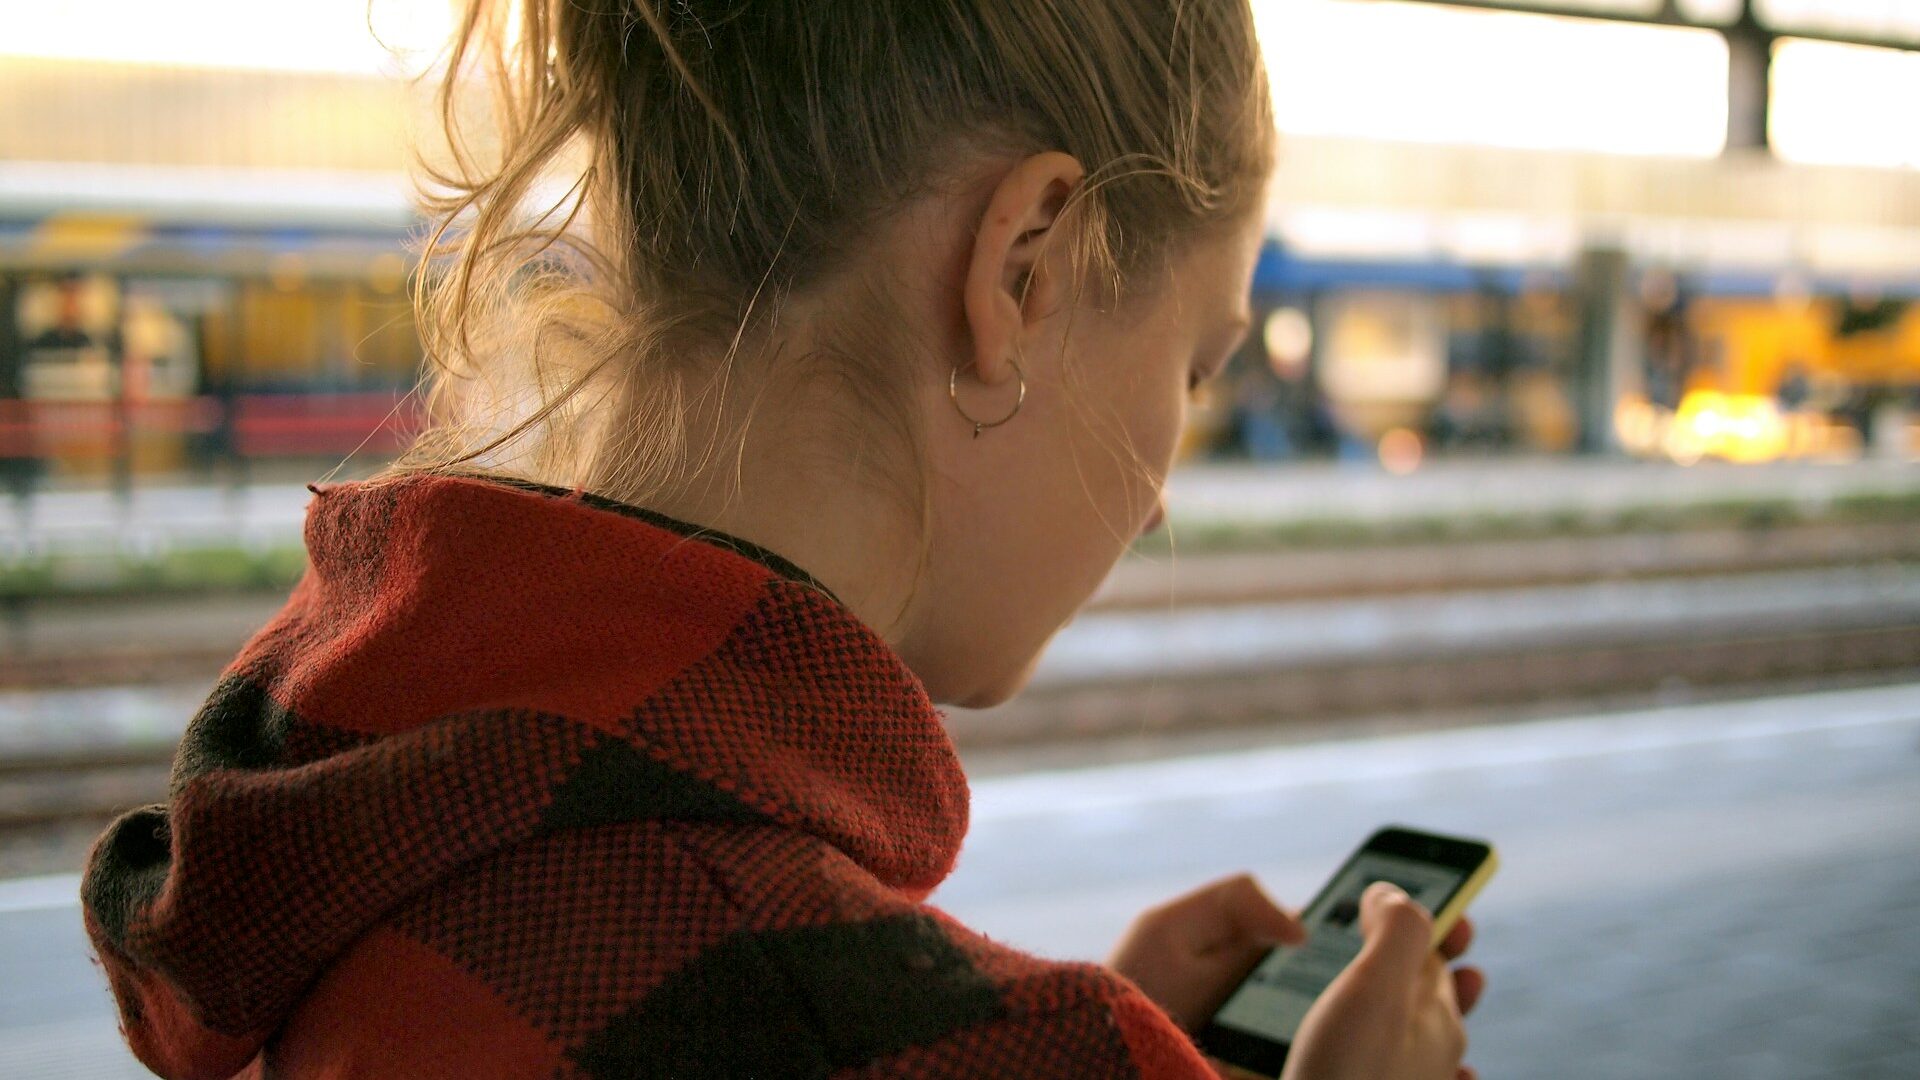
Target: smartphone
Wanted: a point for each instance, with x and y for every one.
(1254, 1027)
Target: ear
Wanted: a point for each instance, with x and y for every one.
(1022, 213)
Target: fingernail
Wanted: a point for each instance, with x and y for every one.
(1387, 890)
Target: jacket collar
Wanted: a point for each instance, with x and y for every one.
(468, 665)
(614, 614)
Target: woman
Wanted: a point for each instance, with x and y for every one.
(599, 738)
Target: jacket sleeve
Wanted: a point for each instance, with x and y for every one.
(1157, 1045)
(1119, 1036)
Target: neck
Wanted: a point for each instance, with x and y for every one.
(795, 481)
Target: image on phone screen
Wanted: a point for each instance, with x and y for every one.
(1274, 999)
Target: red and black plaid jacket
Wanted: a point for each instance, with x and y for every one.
(523, 782)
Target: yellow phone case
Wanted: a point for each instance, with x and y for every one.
(1449, 914)
(1443, 923)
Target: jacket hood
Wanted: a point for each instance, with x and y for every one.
(468, 663)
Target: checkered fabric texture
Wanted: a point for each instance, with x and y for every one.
(524, 782)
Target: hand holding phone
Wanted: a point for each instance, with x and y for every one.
(1368, 981)
(1392, 1011)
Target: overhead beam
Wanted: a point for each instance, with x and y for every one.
(1669, 16)
(1749, 83)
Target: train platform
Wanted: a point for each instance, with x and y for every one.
(1717, 889)
(1708, 890)
(101, 693)
(1546, 488)
(1485, 494)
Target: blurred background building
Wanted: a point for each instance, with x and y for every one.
(1566, 496)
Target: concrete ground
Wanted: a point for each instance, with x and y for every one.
(1728, 889)
(1722, 889)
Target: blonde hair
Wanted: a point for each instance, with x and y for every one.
(720, 155)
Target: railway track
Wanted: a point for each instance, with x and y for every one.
(1238, 578)
(157, 638)
(1858, 620)
(52, 805)
(1432, 683)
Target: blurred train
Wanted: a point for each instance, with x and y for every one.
(1398, 359)
(174, 342)
(130, 344)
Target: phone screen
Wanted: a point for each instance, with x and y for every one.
(1274, 999)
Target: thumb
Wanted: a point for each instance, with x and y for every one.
(1396, 931)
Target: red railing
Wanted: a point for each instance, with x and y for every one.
(255, 425)
(285, 425)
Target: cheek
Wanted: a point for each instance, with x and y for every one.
(1160, 415)
(1145, 421)
(1057, 513)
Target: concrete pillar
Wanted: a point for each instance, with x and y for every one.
(1749, 83)
(1610, 348)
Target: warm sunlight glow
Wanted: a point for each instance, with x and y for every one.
(1844, 104)
(335, 36)
(1417, 73)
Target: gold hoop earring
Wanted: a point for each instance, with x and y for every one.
(953, 393)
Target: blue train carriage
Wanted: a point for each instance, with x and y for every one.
(1394, 358)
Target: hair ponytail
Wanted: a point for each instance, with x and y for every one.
(653, 177)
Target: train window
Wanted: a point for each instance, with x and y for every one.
(67, 328)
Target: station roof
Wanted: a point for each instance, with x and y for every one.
(1869, 21)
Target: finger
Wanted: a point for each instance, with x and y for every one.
(1457, 939)
(1468, 984)
(1226, 914)
(1397, 932)
(1438, 979)
(1243, 905)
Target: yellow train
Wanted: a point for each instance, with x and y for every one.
(1785, 376)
